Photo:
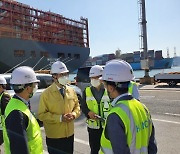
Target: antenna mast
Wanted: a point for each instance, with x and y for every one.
(175, 52)
(143, 33)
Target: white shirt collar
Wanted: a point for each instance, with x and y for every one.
(58, 87)
(25, 101)
(64, 87)
(117, 98)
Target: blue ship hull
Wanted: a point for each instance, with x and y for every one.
(158, 64)
(73, 56)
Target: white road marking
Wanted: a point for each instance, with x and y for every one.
(172, 100)
(167, 121)
(81, 141)
(172, 114)
(174, 122)
(147, 96)
(87, 143)
(176, 90)
(75, 139)
(156, 98)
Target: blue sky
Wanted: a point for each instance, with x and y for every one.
(113, 24)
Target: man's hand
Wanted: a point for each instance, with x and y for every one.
(68, 117)
(92, 115)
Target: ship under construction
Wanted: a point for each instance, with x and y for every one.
(37, 38)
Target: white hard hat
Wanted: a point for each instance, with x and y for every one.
(2, 80)
(95, 70)
(23, 75)
(58, 67)
(118, 71)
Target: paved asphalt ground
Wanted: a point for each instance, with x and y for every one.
(164, 105)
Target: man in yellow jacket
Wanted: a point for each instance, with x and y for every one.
(58, 108)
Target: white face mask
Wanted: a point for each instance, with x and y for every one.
(95, 82)
(63, 80)
(34, 91)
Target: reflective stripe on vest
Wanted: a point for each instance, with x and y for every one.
(143, 150)
(34, 137)
(130, 87)
(106, 150)
(93, 106)
(138, 127)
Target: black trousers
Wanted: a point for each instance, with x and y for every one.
(1, 137)
(94, 139)
(60, 145)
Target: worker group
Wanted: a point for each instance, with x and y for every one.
(117, 122)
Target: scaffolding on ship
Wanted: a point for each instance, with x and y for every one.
(21, 21)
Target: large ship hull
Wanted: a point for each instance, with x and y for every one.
(176, 61)
(158, 64)
(73, 56)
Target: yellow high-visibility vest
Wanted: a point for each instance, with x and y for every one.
(102, 110)
(1, 116)
(138, 126)
(33, 130)
(130, 87)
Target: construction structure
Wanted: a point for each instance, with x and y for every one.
(143, 42)
(21, 22)
(143, 33)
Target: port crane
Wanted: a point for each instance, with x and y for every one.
(143, 34)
